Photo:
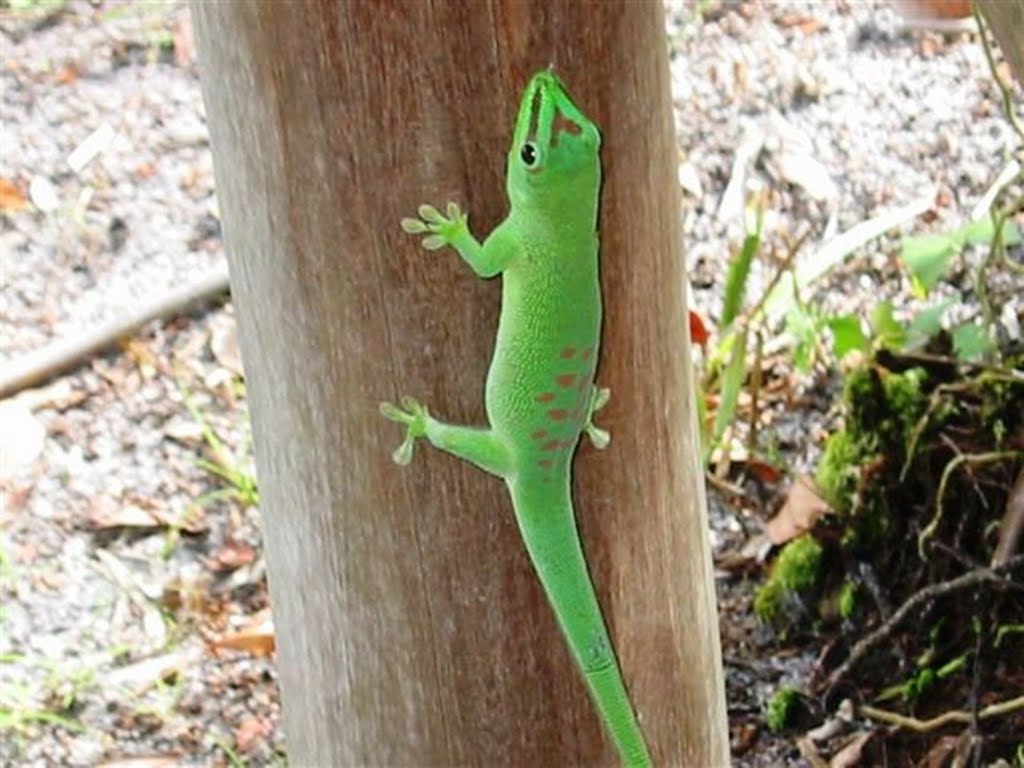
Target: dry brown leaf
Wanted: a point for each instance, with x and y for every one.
(144, 171)
(698, 329)
(808, 25)
(11, 196)
(60, 395)
(139, 353)
(810, 753)
(234, 554)
(931, 10)
(184, 40)
(850, 755)
(143, 761)
(184, 430)
(799, 513)
(224, 343)
(257, 639)
(767, 473)
(66, 74)
(106, 512)
(941, 754)
(251, 732)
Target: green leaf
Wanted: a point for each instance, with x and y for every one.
(983, 231)
(847, 334)
(739, 273)
(927, 258)
(926, 324)
(804, 328)
(732, 383)
(970, 341)
(888, 331)
(978, 232)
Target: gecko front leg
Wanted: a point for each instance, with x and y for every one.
(487, 259)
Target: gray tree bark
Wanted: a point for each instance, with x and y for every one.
(411, 629)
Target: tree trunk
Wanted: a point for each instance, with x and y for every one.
(410, 626)
(1006, 20)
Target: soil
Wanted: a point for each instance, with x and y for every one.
(135, 612)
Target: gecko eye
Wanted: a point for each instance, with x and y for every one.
(528, 154)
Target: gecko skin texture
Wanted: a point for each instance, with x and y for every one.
(540, 394)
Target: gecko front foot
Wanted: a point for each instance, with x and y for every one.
(415, 416)
(599, 397)
(440, 230)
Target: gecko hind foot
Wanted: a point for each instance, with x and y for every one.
(414, 415)
(598, 399)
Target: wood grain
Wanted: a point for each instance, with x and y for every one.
(411, 629)
(1006, 20)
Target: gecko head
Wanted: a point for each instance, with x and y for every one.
(554, 151)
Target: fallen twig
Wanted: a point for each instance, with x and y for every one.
(964, 458)
(1011, 529)
(953, 716)
(42, 364)
(915, 601)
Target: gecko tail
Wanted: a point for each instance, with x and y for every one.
(548, 525)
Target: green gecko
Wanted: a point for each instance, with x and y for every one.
(540, 394)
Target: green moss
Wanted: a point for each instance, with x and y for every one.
(1002, 412)
(781, 708)
(836, 477)
(768, 602)
(884, 415)
(795, 573)
(884, 408)
(905, 403)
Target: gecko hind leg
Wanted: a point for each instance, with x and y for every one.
(599, 397)
(476, 445)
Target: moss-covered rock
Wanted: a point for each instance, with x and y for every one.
(779, 713)
(794, 576)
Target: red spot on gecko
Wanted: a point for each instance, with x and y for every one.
(545, 397)
(558, 414)
(588, 353)
(545, 463)
(551, 445)
(539, 434)
(563, 123)
(565, 380)
(568, 352)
